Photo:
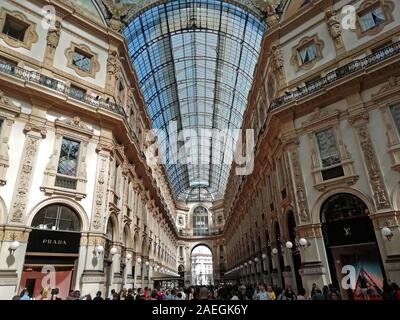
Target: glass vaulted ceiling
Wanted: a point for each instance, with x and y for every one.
(195, 61)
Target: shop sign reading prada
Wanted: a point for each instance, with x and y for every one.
(53, 241)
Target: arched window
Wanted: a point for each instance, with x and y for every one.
(200, 221)
(57, 217)
(343, 206)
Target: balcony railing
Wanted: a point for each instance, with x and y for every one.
(340, 73)
(201, 233)
(60, 87)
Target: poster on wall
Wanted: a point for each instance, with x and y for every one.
(368, 275)
(369, 283)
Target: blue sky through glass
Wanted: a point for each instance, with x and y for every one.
(195, 60)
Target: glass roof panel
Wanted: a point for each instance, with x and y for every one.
(195, 60)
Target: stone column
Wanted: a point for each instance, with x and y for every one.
(315, 267)
(128, 277)
(116, 282)
(11, 263)
(389, 246)
(93, 278)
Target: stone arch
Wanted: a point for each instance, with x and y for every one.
(116, 233)
(395, 197)
(213, 256)
(316, 211)
(137, 245)
(285, 221)
(60, 200)
(191, 211)
(3, 211)
(128, 237)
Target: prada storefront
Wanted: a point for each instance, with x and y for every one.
(52, 252)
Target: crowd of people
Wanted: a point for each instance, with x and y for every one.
(222, 292)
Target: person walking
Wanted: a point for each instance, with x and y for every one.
(98, 296)
(271, 293)
(289, 294)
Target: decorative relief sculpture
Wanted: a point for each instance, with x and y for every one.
(375, 176)
(24, 179)
(4, 99)
(101, 188)
(334, 28)
(117, 13)
(53, 35)
(113, 65)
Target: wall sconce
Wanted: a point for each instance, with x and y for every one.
(99, 249)
(113, 251)
(250, 262)
(274, 251)
(303, 242)
(129, 257)
(241, 266)
(387, 233)
(13, 246)
(256, 259)
(245, 264)
(139, 260)
(264, 256)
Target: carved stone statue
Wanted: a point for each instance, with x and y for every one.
(268, 7)
(3, 98)
(53, 36)
(272, 18)
(277, 59)
(335, 29)
(117, 12)
(113, 64)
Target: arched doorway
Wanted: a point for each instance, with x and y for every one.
(200, 221)
(294, 254)
(52, 252)
(108, 255)
(202, 266)
(351, 245)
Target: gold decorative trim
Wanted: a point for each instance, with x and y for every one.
(295, 60)
(31, 35)
(387, 7)
(94, 63)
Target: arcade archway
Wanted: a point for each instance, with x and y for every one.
(202, 266)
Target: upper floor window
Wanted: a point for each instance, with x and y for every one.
(200, 221)
(15, 28)
(395, 111)
(308, 53)
(81, 60)
(329, 154)
(372, 18)
(68, 161)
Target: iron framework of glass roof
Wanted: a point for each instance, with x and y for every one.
(195, 61)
